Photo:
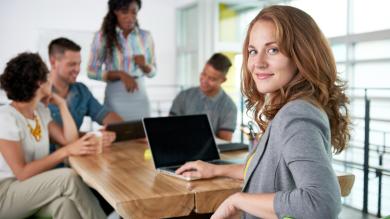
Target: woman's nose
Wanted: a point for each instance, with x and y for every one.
(261, 61)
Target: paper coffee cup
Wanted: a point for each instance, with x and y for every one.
(99, 137)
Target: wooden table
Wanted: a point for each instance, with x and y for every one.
(131, 185)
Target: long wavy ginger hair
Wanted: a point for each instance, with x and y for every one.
(300, 39)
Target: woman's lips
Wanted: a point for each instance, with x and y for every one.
(263, 76)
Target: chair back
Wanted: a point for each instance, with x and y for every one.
(346, 181)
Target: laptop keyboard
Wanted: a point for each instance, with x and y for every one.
(220, 162)
(170, 169)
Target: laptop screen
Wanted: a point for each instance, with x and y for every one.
(175, 140)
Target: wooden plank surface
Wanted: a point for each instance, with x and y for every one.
(129, 182)
(210, 193)
(131, 185)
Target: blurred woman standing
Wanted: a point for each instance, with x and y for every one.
(122, 54)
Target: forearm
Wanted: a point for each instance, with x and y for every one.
(113, 75)
(112, 117)
(259, 205)
(225, 135)
(69, 127)
(38, 166)
(235, 171)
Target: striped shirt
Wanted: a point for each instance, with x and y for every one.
(138, 42)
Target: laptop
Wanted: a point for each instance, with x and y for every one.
(175, 140)
(224, 146)
(127, 130)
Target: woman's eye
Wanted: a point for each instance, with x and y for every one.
(272, 51)
(252, 52)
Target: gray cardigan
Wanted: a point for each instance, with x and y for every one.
(293, 160)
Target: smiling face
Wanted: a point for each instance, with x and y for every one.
(210, 80)
(67, 66)
(270, 69)
(127, 17)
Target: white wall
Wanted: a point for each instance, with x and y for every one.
(29, 25)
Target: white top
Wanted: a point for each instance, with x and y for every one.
(13, 127)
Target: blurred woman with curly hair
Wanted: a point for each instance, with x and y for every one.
(289, 78)
(28, 186)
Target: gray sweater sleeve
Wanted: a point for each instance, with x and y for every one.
(177, 105)
(307, 153)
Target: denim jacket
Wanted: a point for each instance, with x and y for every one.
(81, 103)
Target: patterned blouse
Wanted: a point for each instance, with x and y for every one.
(138, 42)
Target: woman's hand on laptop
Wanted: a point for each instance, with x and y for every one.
(198, 169)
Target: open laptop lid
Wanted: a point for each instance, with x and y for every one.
(127, 130)
(175, 140)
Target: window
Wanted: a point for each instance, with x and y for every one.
(378, 49)
(330, 15)
(187, 45)
(370, 15)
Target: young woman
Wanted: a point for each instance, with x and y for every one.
(27, 184)
(122, 54)
(290, 80)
